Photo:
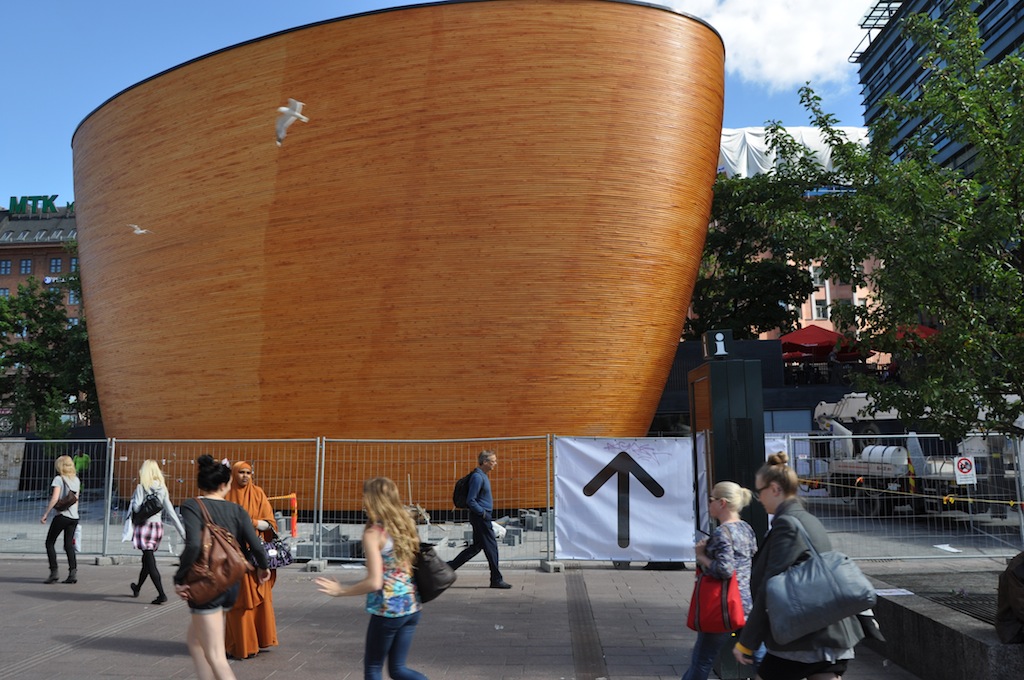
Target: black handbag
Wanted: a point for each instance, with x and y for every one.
(151, 505)
(432, 575)
(278, 553)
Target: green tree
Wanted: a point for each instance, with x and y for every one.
(45, 369)
(77, 369)
(765, 231)
(747, 283)
(947, 241)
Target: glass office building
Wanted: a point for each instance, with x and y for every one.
(888, 61)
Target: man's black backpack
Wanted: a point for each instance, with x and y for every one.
(460, 495)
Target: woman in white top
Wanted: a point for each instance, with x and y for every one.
(65, 521)
(147, 535)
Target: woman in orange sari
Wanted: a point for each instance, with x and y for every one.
(251, 625)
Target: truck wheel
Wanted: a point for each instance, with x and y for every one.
(872, 502)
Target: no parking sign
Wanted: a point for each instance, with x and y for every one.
(965, 472)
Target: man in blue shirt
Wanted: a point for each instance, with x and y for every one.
(480, 506)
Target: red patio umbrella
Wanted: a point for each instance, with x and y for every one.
(815, 340)
(796, 356)
(816, 343)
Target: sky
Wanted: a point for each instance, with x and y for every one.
(64, 58)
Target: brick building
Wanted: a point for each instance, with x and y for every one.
(34, 235)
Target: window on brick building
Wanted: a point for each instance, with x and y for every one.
(5, 266)
(5, 292)
(26, 267)
(56, 265)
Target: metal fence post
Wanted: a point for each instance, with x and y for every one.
(318, 502)
(108, 494)
(1019, 464)
(549, 530)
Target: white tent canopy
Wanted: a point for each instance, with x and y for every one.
(744, 151)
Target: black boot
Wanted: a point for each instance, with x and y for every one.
(72, 576)
(53, 578)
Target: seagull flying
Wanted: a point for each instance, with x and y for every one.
(139, 230)
(289, 114)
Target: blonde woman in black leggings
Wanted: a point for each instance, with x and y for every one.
(65, 521)
(147, 535)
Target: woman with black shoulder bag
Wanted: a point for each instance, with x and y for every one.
(151, 499)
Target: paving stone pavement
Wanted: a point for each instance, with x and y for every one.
(550, 626)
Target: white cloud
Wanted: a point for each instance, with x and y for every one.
(784, 43)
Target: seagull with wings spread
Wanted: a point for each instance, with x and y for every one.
(289, 114)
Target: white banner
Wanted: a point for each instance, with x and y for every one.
(772, 444)
(624, 499)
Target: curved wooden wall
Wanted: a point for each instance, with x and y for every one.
(490, 226)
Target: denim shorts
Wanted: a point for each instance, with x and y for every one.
(222, 602)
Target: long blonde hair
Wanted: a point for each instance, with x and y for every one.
(65, 467)
(149, 473)
(384, 507)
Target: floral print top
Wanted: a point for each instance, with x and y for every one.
(398, 597)
(731, 549)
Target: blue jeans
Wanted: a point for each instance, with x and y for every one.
(390, 638)
(706, 650)
(704, 653)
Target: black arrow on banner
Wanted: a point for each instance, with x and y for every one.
(623, 465)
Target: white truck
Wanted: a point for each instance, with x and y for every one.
(874, 461)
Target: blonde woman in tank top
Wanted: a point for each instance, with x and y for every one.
(390, 544)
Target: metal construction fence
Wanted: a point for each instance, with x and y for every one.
(914, 495)
(315, 487)
(897, 496)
